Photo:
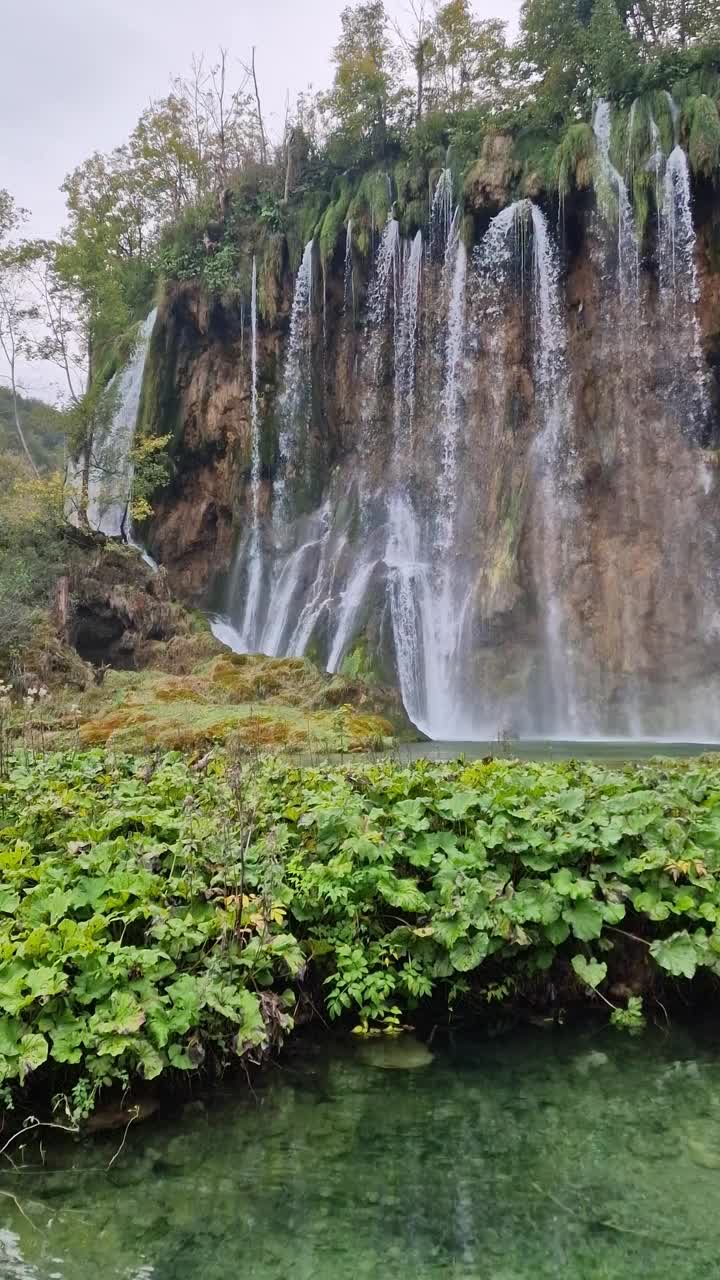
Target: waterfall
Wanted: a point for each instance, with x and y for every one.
(110, 474)
(441, 213)
(678, 273)
(296, 399)
(465, 527)
(351, 602)
(254, 554)
(551, 454)
(456, 271)
(348, 281)
(628, 252)
(406, 334)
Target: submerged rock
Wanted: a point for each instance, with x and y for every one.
(395, 1053)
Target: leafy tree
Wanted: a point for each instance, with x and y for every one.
(468, 58)
(550, 59)
(656, 23)
(367, 90)
(612, 56)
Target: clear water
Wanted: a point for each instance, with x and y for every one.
(609, 750)
(551, 1153)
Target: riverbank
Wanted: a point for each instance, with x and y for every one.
(160, 920)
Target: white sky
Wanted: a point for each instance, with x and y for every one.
(77, 73)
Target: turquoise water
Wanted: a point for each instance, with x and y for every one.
(551, 1153)
(607, 750)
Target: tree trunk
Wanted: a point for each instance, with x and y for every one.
(16, 415)
(263, 146)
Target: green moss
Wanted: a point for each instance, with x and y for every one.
(662, 116)
(249, 701)
(159, 409)
(701, 114)
(410, 181)
(643, 191)
(413, 217)
(302, 220)
(358, 663)
(270, 269)
(639, 141)
(332, 224)
(369, 208)
(534, 154)
(573, 160)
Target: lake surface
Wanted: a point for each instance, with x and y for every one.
(547, 1153)
(610, 750)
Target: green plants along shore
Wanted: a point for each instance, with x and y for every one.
(158, 919)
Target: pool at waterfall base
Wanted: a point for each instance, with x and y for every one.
(548, 1151)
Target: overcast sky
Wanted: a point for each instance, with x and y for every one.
(75, 74)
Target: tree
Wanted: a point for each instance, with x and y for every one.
(612, 55)
(15, 314)
(550, 59)
(367, 87)
(468, 58)
(418, 46)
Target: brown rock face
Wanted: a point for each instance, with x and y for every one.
(578, 481)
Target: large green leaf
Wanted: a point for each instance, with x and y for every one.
(593, 972)
(469, 952)
(585, 919)
(677, 954)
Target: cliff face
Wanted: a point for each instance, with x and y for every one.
(483, 464)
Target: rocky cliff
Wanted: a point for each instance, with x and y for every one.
(478, 458)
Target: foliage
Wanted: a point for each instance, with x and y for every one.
(43, 427)
(132, 940)
(153, 916)
(704, 142)
(404, 881)
(32, 551)
(574, 158)
(367, 92)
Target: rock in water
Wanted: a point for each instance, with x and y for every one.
(395, 1053)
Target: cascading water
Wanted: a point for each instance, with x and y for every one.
(254, 554)
(296, 398)
(551, 454)
(441, 213)
(110, 470)
(454, 530)
(628, 252)
(348, 285)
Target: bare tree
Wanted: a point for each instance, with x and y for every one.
(263, 145)
(14, 316)
(417, 45)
